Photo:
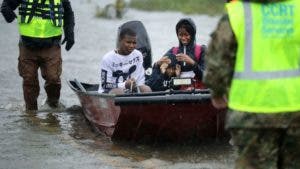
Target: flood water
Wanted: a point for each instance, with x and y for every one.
(64, 140)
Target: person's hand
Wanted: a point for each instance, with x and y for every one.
(9, 14)
(162, 60)
(130, 84)
(163, 68)
(69, 38)
(177, 70)
(219, 102)
(185, 58)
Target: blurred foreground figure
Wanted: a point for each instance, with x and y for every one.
(40, 26)
(253, 59)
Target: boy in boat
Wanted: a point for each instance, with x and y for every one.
(122, 69)
(188, 54)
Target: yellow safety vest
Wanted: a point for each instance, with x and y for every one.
(267, 68)
(40, 19)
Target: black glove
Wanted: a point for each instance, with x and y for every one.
(8, 14)
(69, 38)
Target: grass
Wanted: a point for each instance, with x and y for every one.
(209, 7)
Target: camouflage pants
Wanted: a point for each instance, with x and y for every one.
(267, 148)
(50, 62)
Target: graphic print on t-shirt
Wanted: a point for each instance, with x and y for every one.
(123, 75)
(116, 69)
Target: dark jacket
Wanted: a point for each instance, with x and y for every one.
(157, 80)
(7, 10)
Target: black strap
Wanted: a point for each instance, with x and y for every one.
(60, 15)
(23, 7)
(41, 5)
(34, 5)
(52, 11)
(45, 11)
(42, 15)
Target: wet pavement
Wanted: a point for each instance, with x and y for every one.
(62, 140)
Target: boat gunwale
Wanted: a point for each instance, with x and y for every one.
(154, 93)
(161, 97)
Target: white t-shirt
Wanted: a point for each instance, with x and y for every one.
(116, 69)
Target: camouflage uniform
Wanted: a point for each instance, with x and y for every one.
(263, 141)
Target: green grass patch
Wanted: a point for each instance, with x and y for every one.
(209, 7)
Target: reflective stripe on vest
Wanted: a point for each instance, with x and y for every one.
(267, 71)
(40, 18)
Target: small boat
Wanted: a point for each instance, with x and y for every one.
(174, 115)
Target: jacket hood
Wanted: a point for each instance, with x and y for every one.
(192, 30)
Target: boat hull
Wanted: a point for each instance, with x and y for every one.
(148, 118)
(169, 122)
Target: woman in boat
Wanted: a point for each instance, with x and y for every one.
(122, 69)
(189, 55)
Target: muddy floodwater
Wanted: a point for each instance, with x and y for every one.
(64, 140)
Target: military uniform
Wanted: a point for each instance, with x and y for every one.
(263, 140)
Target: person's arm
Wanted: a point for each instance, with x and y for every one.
(107, 79)
(220, 60)
(199, 66)
(140, 79)
(7, 9)
(69, 23)
(164, 58)
(155, 82)
(105, 74)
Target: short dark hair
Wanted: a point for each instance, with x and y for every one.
(126, 31)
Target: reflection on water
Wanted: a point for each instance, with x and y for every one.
(191, 152)
(44, 121)
(53, 135)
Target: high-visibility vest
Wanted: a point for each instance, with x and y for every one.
(40, 18)
(267, 69)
